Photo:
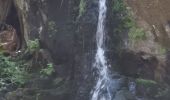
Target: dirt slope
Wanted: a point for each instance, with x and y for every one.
(156, 13)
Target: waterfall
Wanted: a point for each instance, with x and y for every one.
(102, 88)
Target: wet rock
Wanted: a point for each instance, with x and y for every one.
(142, 64)
(60, 92)
(21, 94)
(124, 95)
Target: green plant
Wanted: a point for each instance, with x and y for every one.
(127, 22)
(33, 45)
(48, 70)
(12, 72)
(82, 7)
(136, 33)
(162, 50)
(145, 82)
(118, 6)
(52, 28)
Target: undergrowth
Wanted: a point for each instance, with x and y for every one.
(127, 22)
(82, 7)
(48, 70)
(12, 72)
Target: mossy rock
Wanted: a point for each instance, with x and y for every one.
(145, 82)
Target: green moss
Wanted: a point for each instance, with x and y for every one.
(82, 7)
(145, 82)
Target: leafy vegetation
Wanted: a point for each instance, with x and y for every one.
(82, 7)
(136, 33)
(12, 72)
(52, 28)
(145, 82)
(127, 22)
(48, 70)
(119, 6)
(33, 45)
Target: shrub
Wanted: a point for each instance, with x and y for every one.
(136, 33)
(82, 7)
(52, 28)
(118, 6)
(11, 72)
(33, 45)
(127, 22)
(48, 70)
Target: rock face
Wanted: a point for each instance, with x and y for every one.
(69, 37)
(5, 6)
(151, 16)
(66, 31)
(155, 15)
(148, 58)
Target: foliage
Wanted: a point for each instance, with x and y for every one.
(127, 22)
(136, 33)
(162, 50)
(11, 72)
(118, 16)
(52, 28)
(33, 45)
(48, 70)
(119, 6)
(145, 82)
(163, 92)
(82, 7)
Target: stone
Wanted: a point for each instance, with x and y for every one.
(124, 95)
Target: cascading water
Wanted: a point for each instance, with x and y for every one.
(103, 88)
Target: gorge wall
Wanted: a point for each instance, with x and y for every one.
(66, 30)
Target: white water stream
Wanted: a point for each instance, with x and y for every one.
(102, 88)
